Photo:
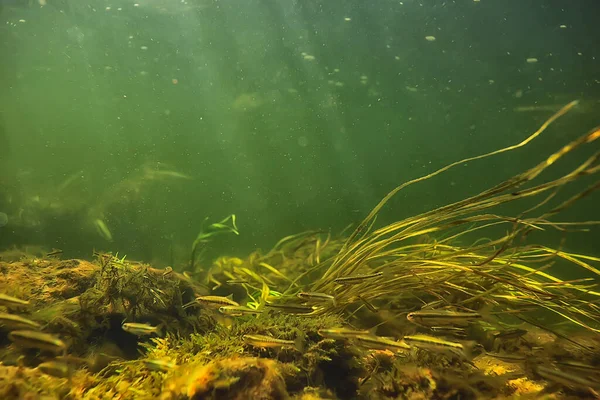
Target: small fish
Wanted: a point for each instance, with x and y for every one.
(17, 322)
(58, 369)
(236, 311)
(355, 279)
(368, 304)
(432, 343)
(509, 358)
(54, 253)
(449, 330)
(216, 301)
(9, 301)
(342, 333)
(442, 317)
(167, 271)
(575, 365)
(380, 343)
(237, 281)
(566, 378)
(313, 296)
(268, 341)
(141, 329)
(509, 334)
(159, 365)
(37, 340)
(291, 308)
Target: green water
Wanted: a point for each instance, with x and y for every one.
(293, 115)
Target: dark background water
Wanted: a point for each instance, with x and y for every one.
(293, 115)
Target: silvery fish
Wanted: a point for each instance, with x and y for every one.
(17, 322)
(9, 301)
(269, 341)
(140, 329)
(38, 340)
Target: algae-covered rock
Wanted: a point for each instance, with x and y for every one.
(235, 379)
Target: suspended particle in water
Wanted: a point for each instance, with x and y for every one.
(143, 47)
(302, 141)
(347, 19)
(3, 219)
(430, 38)
(532, 60)
(174, 81)
(563, 26)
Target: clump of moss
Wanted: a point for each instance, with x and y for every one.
(327, 364)
(403, 381)
(314, 393)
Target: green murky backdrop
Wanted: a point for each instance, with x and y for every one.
(151, 116)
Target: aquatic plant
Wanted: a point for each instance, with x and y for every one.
(205, 235)
(505, 271)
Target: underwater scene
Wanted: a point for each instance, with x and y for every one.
(299, 199)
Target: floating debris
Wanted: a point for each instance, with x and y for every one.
(430, 38)
(307, 56)
(54, 253)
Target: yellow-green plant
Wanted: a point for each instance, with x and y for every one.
(205, 235)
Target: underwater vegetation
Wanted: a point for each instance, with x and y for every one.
(460, 302)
